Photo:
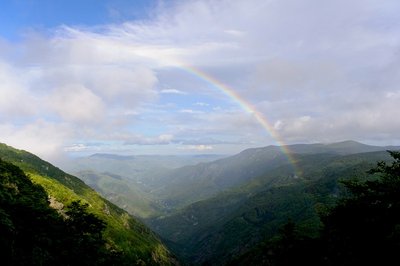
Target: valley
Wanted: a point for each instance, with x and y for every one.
(199, 132)
(213, 210)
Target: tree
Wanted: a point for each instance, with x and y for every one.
(364, 228)
(32, 233)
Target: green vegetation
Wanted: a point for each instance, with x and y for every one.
(35, 234)
(362, 229)
(121, 191)
(233, 222)
(122, 234)
(133, 183)
(251, 208)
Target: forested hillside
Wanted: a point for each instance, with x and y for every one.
(222, 227)
(33, 233)
(253, 208)
(42, 184)
(361, 229)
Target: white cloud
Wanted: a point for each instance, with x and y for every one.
(40, 137)
(162, 139)
(202, 104)
(197, 147)
(77, 104)
(75, 147)
(190, 111)
(393, 94)
(316, 70)
(125, 84)
(15, 98)
(172, 91)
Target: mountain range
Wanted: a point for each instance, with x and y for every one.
(213, 211)
(205, 210)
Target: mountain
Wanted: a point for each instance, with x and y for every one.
(343, 148)
(123, 233)
(128, 181)
(213, 212)
(361, 229)
(182, 186)
(254, 204)
(123, 192)
(151, 186)
(134, 167)
(33, 233)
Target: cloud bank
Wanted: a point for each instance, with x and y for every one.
(317, 71)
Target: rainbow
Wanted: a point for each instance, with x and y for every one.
(246, 106)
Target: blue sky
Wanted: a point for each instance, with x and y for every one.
(79, 77)
(19, 16)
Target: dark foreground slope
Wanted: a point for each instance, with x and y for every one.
(135, 243)
(33, 233)
(362, 229)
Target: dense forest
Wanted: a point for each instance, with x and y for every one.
(235, 221)
(362, 229)
(48, 217)
(33, 233)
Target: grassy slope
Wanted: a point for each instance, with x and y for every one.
(123, 232)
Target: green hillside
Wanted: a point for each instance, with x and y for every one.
(131, 182)
(221, 228)
(124, 234)
(361, 229)
(219, 212)
(33, 233)
(121, 191)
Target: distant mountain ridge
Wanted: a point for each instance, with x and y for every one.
(343, 147)
(132, 157)
(151, 184)
(137, 176)
(112, 156)
(192, 183)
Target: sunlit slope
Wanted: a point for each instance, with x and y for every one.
(123, 232)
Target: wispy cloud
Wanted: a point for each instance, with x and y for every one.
(142, 140)
(197, 147)
(172, 91)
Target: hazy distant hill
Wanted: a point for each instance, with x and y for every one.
(134, 167)
(128, 181)
(189, 184)
(124, 233)
(151, 185)
(343, 148)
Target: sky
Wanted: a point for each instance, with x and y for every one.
(201, 76)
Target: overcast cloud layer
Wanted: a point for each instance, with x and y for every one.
(318, 71)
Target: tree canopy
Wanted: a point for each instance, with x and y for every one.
(363, 228)
(32, 233)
